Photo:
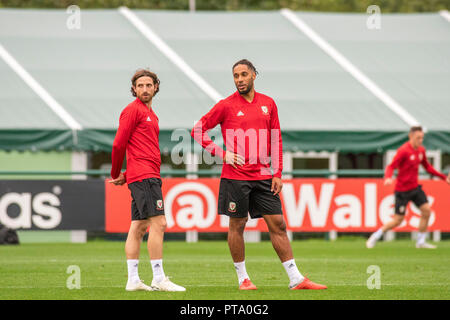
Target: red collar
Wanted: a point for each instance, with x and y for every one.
(255, 98)
(143, 104)
(412, 148)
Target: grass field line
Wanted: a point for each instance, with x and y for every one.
(224, 260)
(206, 271)
(330, 285)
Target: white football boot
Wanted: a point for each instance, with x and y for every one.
(425, 246)
(166, 285)
(138, 286)
(370, 243)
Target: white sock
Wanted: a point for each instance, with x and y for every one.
(378, 234)
(158, 271)
(421, 236)
(133, 275)
(295, 277)
(241, 271)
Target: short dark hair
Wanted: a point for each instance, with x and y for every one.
(415, 128)
(247, 63)
(144, 73)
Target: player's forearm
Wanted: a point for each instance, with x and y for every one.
(200, 134)
(277, 159)
(277, 172)
(214, 150)
(276, 148)
(436, 173)
(389, 172)
(126, 126)
(442, 176)
(117, 156)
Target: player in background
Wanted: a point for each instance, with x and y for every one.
(407, 160)
(251, 132)
(138, 137)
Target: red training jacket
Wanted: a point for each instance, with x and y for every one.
(407, 160)
(138, 136)
(251, 129)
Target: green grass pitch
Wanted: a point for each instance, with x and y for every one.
(39, 271)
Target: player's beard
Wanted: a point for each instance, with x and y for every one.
(246, 90)
(146, 98)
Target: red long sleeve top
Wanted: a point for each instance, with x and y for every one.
(251, 129)
(138, 137)
(407, 160)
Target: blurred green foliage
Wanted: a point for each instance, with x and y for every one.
(236, 5)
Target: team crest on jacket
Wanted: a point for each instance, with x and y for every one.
(159, 204)
(264, 109)
(420, 156)
(232, 206)
(412, 157)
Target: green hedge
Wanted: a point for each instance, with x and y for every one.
(304, 5)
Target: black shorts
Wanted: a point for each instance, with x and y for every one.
(147, 199)
(238, 198)
(402, 198)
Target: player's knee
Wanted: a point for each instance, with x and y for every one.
(160, 224)
(238, 225)
(137, 230)
(426, 213)
(280, 227)
(140, 232)
(241, 226)
(283, 226)
(163, 226)
(400, 219)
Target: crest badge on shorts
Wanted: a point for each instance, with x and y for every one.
(232, 206)
(264, 109)
(159, 204)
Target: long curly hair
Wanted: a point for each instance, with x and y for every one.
(144, 73)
